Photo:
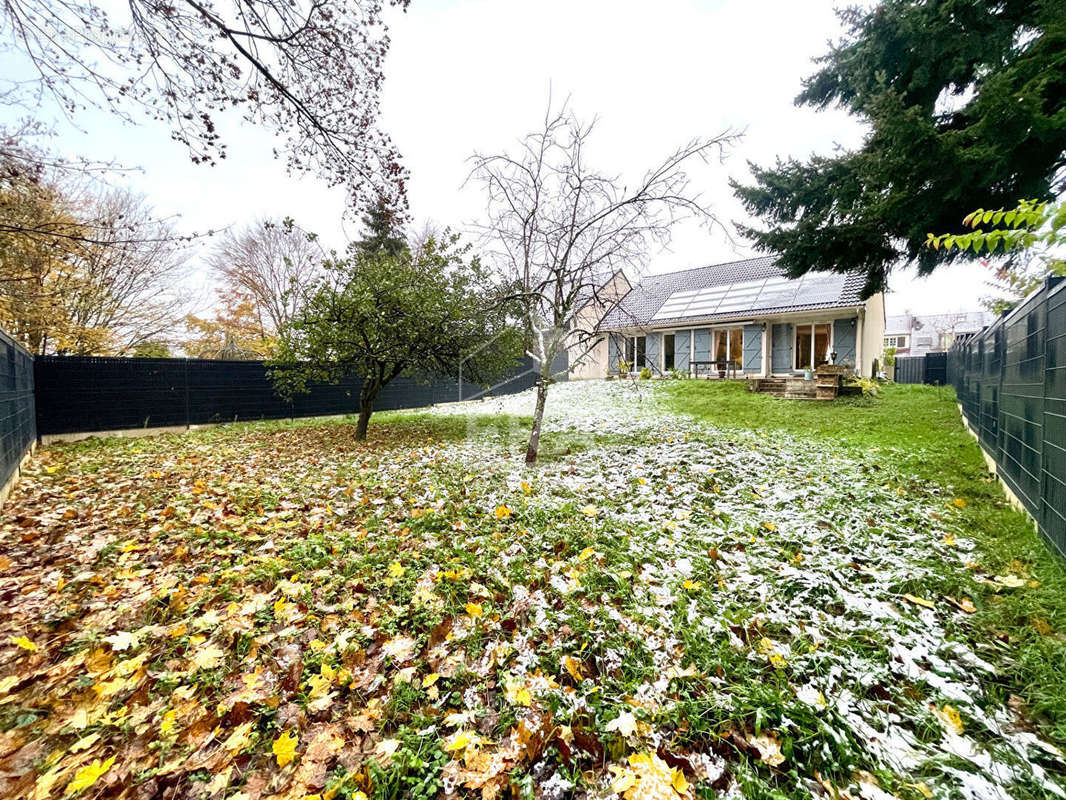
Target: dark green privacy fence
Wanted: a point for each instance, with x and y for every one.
(931, 368)
(96, 394)
(18, 430)
(1011, 383)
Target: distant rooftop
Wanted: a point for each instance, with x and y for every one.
(731, 290)
(957, 322)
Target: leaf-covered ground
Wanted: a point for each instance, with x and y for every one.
(663, 608)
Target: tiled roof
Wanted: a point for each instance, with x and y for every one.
(641, 305)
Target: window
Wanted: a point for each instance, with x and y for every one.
(668, 351)
(728, 345)
(636, 352)
(896, 341)
(812, 345)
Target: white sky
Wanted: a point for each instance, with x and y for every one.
(475, 74)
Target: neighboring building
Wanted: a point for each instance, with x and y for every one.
(747, 313)
(913, 335)
(588, 354)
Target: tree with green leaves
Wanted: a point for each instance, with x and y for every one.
(1032, 236)
(380, 314)
(963, 99)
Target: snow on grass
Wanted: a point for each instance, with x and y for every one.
(660, 608)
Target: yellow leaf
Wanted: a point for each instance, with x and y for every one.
(573, 666)
(769, 748)
(396, 569)
(958, 502)
(474, 610)
(207, 657)
(169, 724)
(1010, 581)
(623, 782)
(240, 738)
(430, 679)
(319, 686)
(24, 643)
(526, 488)
(919, 601)
(949, 718)
(770, 526)
(502, 512)
(691, 585)
(590, 510)
(924, 789)
(679, 782)
(460, 740)
(284, 748)
(586, 554)
(517, 694)
(88, 775)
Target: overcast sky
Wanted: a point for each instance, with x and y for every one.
(467, 75)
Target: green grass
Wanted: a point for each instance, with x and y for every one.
(914, 435)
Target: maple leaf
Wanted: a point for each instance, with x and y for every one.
(88, 775)
(647, 776)
(207, 657)
(502, 512)
(284, 748)
(399, 648)
(460, 741)
(517, 693)
(24, 643)
(769, 748)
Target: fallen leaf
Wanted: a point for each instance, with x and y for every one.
(284, 748)
(88, 775)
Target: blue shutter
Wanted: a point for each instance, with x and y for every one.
(651, 354)
(781, 348)
(844, 340)
(753, 348)
(701, 349)
(681, 345)
(615, 353)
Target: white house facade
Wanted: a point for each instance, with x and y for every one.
(744, 318)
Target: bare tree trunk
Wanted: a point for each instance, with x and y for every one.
(538, 418)
(367, 395)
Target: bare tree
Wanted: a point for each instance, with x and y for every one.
(273, 262)
(561, 228)
(309, 69)
(86, 270)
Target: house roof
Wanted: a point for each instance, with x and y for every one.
(959, 322)
(732, 290)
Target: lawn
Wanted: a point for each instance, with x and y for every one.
(698, 592)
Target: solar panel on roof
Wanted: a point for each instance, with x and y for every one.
(763, 294)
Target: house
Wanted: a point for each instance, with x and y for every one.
(913, 335)
(588, 354)
(745, 315)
